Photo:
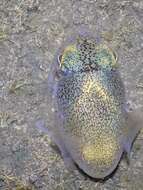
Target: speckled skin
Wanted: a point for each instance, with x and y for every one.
(88, 95)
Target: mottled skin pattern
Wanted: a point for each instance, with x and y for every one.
(90, 101)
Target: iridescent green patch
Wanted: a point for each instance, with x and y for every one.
(105, 58)
(70, 60)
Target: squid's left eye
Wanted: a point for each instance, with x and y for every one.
(60, 59)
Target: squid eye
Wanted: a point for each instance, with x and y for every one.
(60, 58)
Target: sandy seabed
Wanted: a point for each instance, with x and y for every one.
(30, 33)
